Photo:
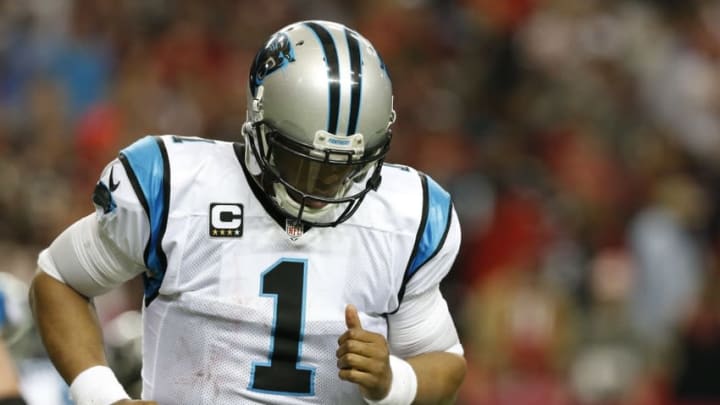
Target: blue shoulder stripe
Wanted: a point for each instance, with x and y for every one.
(146, 163)
(435, 224)
(432, 231)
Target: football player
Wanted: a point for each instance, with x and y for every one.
(294, 267)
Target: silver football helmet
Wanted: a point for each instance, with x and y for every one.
(318, 121)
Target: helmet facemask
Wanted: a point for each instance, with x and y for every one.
(321, 184)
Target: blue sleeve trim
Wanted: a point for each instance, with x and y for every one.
(432, 231)
(436, 223)
(146, 163)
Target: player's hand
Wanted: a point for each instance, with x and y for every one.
(364, 358)
(134, 401)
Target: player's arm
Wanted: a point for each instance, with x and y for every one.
(422, 359)
(424, 335)
(71, 334)
(422, 331)
(68, 326)
(439, 375)
(80, 264)
(426, 365)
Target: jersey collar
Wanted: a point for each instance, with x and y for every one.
(265, 200)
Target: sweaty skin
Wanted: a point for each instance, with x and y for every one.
(68, 325)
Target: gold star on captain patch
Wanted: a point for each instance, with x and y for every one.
(222, 232)
(214, 232)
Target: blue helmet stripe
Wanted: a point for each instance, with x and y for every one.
(331, 58)
(356, 79)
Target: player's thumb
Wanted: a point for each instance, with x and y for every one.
(352, 319)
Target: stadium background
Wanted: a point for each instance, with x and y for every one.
(581, 141)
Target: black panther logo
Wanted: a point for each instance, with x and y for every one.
(276, 53)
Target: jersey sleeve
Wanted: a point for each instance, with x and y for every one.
(422, 323)
(437, 242)
(132, 198)
(86, 260)
(135, 214)
(119, 212)
(124, 236)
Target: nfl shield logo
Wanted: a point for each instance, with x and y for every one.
(293, 228)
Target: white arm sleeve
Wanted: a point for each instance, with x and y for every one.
(423, 324)
(83, 258)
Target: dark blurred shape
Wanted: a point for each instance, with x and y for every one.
(699, 348)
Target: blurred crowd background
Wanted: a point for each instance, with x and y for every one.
(580, 140)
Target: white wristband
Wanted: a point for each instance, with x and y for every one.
(97, 385)
(403, 387)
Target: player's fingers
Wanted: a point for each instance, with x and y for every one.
(352, 319)
(362, 378)
(377, 350)
(358, 362)
(351, 360)
(360, 335)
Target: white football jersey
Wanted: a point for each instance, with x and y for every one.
(237, 311)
